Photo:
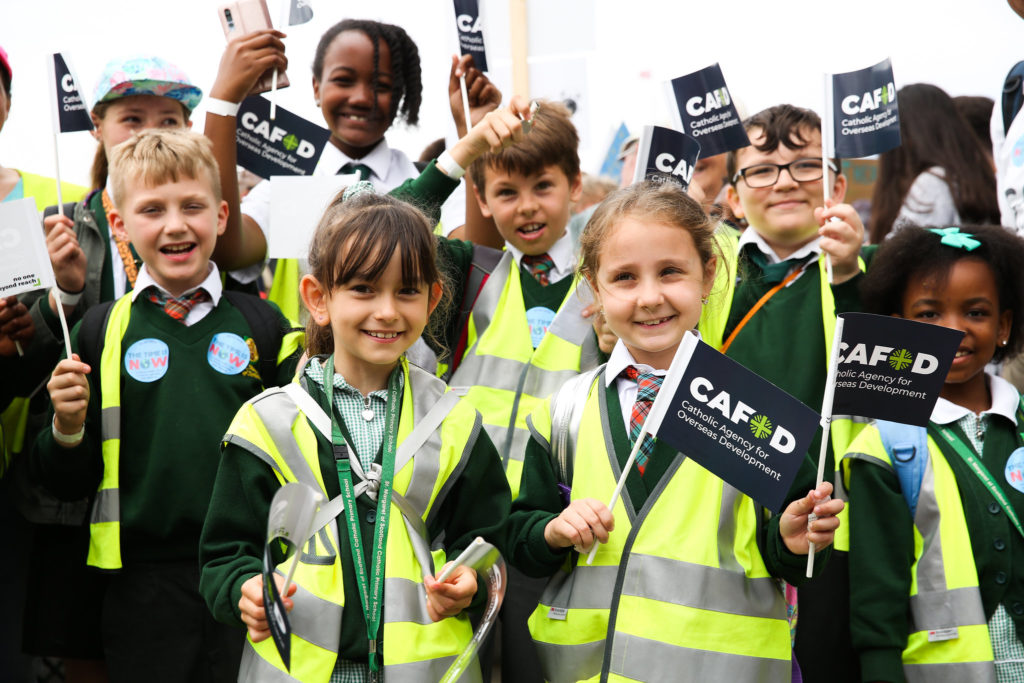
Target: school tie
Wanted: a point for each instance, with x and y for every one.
(647, 386)
(540, 266)
(774, 273)
(177, 307)
(352, 167)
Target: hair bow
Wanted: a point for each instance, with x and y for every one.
(952, 237)
(358, 188)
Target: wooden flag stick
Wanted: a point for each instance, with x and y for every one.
(827, 144)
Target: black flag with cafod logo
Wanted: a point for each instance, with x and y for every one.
(70, 113)
(471, 34)
(865, 114)
(666, 154)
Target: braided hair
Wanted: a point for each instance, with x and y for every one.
(406, 79)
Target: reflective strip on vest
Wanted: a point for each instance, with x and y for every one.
(503, 376)
(418, 649)
(944, 591)
(105, 518)
(681, 580)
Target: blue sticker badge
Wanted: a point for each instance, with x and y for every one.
(146, 360)
(228, 353)
(1015, 470)
(1017, 154)
(539, 319)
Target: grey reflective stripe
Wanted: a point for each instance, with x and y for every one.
(490, 295)
(542, 383)
(278, 412)
(585, 587)
(701, 587)
(540, 438)
(429, 670)
(106, 507)
(422, 356)
(310, 408)
(650, 660)
(931, 571)
(499, 434)
(417, 532)
(873, 459)
(571, 663)
(945, 609)
(727, 530)
(613, 460)
(569, 324)
(405, 600)
(255, 669)
(110, 423)
(316, 620)
(493, 372)
(424, 441)
(975, 672)
(311, 556)
(249, 446)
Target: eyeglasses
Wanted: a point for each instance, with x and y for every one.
(803, 170)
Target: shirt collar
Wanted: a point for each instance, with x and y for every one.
(751, 236)
(561, 252)
(211, 284)
(620, 359)
(1005, 400)
(378, 160)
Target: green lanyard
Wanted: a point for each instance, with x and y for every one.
(982, 472)
(369, 595)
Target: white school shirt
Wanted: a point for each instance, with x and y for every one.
(750, 236)
(199, 311)
(561, 252)
(619, 360)
(1005, 400)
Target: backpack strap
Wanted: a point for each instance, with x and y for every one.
(566, 414)
(907, 446)
(485, 260)
(266, 329)
(69, 210)
(91, 333)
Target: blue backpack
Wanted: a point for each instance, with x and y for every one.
(907, 446)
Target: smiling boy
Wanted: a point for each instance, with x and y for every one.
(174, 359)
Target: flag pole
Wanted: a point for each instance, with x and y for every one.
(621, 482)
(826, 423)
(827, 151)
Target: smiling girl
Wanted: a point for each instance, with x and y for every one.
(937, 592)
(696, 551)
(425, 475)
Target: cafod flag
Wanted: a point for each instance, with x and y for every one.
(706, 111)
(286, 145)
(471, 33)
(666, 154)
(289, 524)
(24, 262)
(732, 422)
(69, 111)
(892, 368)
(865, 115)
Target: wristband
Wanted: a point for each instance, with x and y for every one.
(447, 165)
(67, 438)
(221, 107)
(68, 298)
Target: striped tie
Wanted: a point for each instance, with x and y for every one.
(647, 386)
(177, 307)
(540, 266)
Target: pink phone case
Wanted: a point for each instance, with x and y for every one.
(245, 16)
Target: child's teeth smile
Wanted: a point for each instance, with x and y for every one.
(531, 228)
(382, 335)
(177, 248)
(652, 323)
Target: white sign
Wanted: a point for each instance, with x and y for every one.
(296, 205)
(24, 262)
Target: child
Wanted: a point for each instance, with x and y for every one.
(778, 317)
(175, 358)
(681, 586)
(372, 286)
(943, 585)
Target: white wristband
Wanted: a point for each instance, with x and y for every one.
(447, 165)
(221, 107)
(68, 298)
(67, 438)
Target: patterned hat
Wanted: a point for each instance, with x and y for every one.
(146, 76)
(5, 63)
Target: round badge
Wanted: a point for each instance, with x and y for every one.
(1015, 470)
(228, 353)
(146, 360)
(539, 319)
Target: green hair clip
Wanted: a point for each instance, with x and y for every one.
(952, 237)
(358, 188)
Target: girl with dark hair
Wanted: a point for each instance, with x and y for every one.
(936, 586)
(939, 175)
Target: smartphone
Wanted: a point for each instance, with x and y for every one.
(245, 16)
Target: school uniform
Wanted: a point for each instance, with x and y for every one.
(173, 389)
(585, 626)
(960, 531)
(471, 499)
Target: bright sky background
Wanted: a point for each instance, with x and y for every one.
(613, 56)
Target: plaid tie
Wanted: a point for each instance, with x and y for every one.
(540, 266)
(351, 167)
(177, 308)
(647, 386)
